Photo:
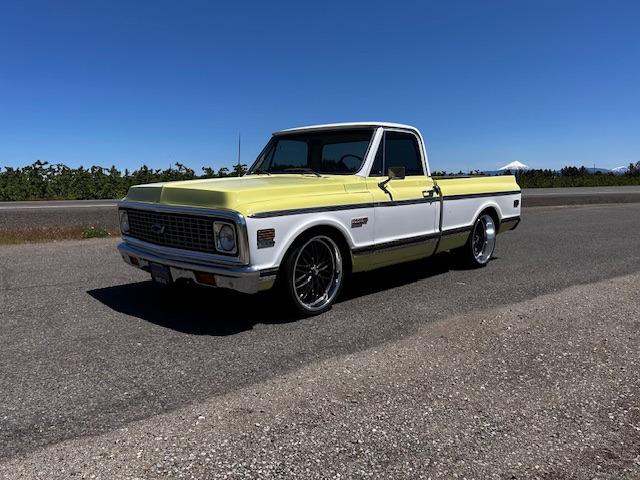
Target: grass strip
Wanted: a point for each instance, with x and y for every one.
(38, 235)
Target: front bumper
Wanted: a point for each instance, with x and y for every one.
(245, 279)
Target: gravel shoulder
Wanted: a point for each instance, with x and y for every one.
(544, 388)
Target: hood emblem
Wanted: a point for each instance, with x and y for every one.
(157, 228)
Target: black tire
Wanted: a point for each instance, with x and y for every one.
(481, 243)
(312, 274)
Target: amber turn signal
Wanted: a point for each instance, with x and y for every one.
(206, 278)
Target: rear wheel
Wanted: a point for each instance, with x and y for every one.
(313, 274)
(481, 243)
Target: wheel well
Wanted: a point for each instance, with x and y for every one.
(330, 231)
(493, 213)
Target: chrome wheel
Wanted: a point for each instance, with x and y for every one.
(483, 240)
(317, 273)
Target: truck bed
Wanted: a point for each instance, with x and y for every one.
(476, 185)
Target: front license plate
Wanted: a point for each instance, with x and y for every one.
(160, 274)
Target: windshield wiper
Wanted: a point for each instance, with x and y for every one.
(259, 171)
(302, 170)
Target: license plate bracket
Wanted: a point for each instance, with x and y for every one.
(160, 274)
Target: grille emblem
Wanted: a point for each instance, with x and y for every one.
(157, 229)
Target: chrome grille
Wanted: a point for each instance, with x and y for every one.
(189, 232)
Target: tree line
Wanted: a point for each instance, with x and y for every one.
(578, 177)
(566, 177)
(45, 181)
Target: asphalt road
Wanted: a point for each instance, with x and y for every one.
(90, 346)
(15, 216)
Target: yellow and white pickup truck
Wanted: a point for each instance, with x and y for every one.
(319, 203)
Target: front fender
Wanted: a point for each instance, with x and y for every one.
(290, 228)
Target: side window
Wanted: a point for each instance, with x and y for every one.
(377, 169)
(401, 150)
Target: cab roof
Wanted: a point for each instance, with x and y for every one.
(336, 126)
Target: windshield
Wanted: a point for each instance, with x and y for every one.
(337, 152)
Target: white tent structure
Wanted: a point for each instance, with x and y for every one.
(516, 165)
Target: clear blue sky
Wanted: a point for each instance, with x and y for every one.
(548, 83)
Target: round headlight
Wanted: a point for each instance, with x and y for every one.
(124, 222)
(226, 238)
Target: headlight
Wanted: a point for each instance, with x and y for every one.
(124, 222)
(225, 237)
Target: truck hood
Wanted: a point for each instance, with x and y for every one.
(253, 193)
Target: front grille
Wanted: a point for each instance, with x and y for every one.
(189, 232)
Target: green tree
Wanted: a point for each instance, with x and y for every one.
(238, 170)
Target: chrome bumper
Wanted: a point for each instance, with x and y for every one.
(243, 279)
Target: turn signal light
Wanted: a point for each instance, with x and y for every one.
(266, 238)
(206, 278)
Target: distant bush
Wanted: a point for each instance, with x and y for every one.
(577, 177)
(45, 181)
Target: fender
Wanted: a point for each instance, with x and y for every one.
(310, 223)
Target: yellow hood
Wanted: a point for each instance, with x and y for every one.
(254, 193)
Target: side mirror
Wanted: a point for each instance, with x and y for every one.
(396, 173)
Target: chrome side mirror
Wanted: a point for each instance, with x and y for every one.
(396, 173)
(393, 173)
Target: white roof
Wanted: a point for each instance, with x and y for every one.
(333, 126)
(516, 165)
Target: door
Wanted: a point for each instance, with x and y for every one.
(406, 215)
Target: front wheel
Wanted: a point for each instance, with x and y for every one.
(313, 274)
(481, 243)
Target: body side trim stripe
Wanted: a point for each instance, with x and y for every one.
(356, 206)
(479, 195)
(409, 241)
(300, 211)
(455, 231)
(402, 242)
(510, 219)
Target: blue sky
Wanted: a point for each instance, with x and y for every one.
(548, 83)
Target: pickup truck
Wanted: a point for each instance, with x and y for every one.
(319, 203)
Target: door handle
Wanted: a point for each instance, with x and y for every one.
(428, 193)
